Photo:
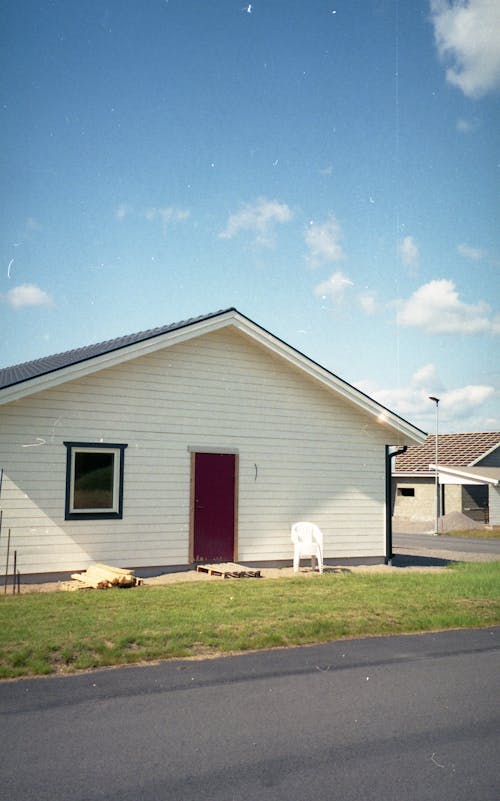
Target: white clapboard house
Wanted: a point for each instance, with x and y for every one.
(199, 441)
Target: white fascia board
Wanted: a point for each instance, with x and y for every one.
(470, 478)
(404, 429)
(111, 359)
(484, 455)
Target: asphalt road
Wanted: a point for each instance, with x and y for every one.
(397, 718)
(429, 542)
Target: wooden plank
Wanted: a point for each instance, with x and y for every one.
(89, 581)
(95, 573)
(229, 570)
(74, 586)
(120, 571)
(80, 582)
(101, 577)
(115, 577)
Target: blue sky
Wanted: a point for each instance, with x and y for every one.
(329, 168)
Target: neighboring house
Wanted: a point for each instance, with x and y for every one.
(202, 440)
(468, 478)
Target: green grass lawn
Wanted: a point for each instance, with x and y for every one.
(46, 633)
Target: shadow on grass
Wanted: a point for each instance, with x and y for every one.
(413, 560)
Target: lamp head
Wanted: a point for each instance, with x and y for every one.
(432, 398)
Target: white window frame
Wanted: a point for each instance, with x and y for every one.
(113, 512)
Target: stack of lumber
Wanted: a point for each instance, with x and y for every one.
(101, 577)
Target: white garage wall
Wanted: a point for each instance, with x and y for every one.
(317, 457)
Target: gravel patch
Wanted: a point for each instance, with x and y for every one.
(266, 573)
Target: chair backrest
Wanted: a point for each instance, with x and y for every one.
(305, 533)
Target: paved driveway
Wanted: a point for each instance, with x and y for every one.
(380, 719)
(428, 549)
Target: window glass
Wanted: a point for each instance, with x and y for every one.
(93, 480)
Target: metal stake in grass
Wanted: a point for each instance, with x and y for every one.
(14, 573)
(7, 564)
(1, 510)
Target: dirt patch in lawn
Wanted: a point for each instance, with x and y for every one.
(266, 573)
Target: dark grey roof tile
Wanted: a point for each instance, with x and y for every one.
(18, 373)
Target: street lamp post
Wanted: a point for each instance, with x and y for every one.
(436, 473)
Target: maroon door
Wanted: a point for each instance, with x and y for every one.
(214, 507)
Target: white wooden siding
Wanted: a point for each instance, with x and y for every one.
(491, 460)
(318, 457)
(494, 504)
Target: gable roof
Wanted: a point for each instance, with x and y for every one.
(17, 373)
(25, 379)
(454, 450)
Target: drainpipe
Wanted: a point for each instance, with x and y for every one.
(388, 500)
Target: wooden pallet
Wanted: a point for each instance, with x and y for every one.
(229, 570)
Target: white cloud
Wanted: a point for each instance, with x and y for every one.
(334, 288)
(466, 36)
(427, 377)
(437, 309)
(33, 225)
(168, 214)
(467, 126)
(459, 409)
(408, 400)
(122, 211)
(368, 303)
(323, 242)
(27, 295)
(471, 253)
(409, 251)
(260, 218)
(461, 402)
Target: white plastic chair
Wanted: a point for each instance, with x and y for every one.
(307, 541)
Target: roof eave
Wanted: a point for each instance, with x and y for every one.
(464, 473)
(413, 474)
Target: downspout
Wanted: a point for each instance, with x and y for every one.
(388, 500)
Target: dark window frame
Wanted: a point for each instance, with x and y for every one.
(406, 492)
(97, 514)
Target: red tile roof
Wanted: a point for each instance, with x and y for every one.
(459, 450)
